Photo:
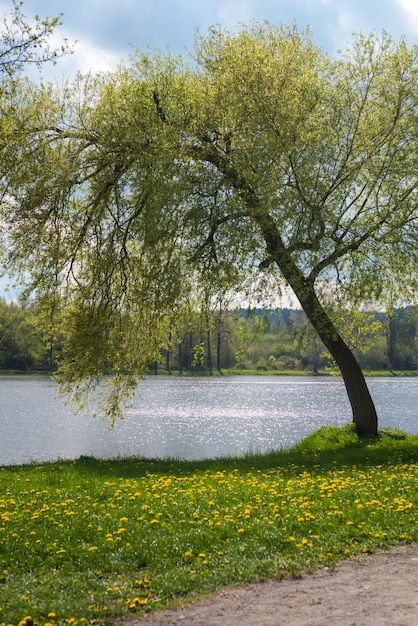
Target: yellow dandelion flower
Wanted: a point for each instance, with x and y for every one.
(137, 602)
(27, 621)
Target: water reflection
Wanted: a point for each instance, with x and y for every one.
(189, 417)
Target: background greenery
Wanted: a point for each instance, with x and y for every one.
(259, 340)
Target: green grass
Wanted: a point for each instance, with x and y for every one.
(89, 541)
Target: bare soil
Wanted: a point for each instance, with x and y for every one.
(373, 590)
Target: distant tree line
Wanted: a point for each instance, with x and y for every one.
(22, 346)
(256, 340)
(283, 340)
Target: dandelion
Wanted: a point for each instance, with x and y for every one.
(135, 602)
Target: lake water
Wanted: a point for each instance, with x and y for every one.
(189, 417)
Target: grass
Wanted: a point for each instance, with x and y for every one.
(89, 541)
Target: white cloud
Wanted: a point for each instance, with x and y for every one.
(86, 57)
(89, 57)
(410, 9)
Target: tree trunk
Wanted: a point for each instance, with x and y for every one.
(209, 353)
(218, 339)
(315, 356)
(362, 405)
(391, 340)
(180, 357)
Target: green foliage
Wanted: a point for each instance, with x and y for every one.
(92, 541)
(21, 346)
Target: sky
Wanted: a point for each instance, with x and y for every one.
(107, 31)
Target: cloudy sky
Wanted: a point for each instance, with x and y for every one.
(106, 30)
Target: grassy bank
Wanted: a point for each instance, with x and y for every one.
(86, 541)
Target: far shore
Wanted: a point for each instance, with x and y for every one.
(235, 372)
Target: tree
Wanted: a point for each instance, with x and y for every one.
(23, 44)
(20, 345)
(262, 157)
(310, 343)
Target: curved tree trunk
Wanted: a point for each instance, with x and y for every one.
(362, 405)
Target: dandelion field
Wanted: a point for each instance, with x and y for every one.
(88, 541)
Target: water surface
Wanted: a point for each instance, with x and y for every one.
(189, 417)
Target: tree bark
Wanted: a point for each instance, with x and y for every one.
(391, 340)
(218, 339)
(208, 343)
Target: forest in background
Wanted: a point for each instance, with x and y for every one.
(259, 340)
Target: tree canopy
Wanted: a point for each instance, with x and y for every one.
(260, 160)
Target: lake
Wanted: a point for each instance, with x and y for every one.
(189, 417)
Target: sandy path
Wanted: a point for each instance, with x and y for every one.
(376, 590)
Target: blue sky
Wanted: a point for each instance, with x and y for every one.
(106, 30)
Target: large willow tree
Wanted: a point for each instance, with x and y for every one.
(261, 158)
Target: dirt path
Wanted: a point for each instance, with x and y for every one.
(376, 590)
